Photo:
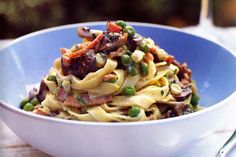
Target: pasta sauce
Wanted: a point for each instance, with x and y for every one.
(116, 75)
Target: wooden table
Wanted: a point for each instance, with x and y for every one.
(12, 146)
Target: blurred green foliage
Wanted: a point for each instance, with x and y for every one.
(18, 17)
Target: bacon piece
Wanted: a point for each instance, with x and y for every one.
(169, 109)
(41, 112)
(181, 109)
(112, 27)
(71, 101)
(149, 56)
(100, 100)
(109, 77)
(81, 66)
(153, 49)
(61, 94)
(169, 59)
(117, 53)
(68, 56)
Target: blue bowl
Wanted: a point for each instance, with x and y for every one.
(29, 58)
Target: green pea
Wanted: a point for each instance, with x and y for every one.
(144, 48)
(130, 30)
(52, 78)
(132, 70)
(144, 68)
(134, 111)
(23, 102)
(34, 101)
(125, 59)
(129, 90)
(194, 100)
(28, 107)
(121, 23)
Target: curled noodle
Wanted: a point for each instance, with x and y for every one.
(147, 85)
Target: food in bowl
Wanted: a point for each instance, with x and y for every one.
(115, 75)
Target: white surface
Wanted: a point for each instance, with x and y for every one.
(4, 42)
(208, 146)
(224, 36)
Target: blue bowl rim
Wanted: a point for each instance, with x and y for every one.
(14, 109)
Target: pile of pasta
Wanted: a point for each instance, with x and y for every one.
(154, 95)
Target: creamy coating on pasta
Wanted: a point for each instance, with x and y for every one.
(115, 75)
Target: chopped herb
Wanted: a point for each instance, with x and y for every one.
(162, 92)
(80, 99)
(55, 91)
(166, 76)
(59, 82)
(112, 80)
(175, 71)
(70, 81)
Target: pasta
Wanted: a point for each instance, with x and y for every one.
(114, 76)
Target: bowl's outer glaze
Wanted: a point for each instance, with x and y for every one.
(30, 57)
(165, 138)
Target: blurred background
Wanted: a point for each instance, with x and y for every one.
(19, 17)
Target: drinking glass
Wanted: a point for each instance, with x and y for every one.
(207, 29)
